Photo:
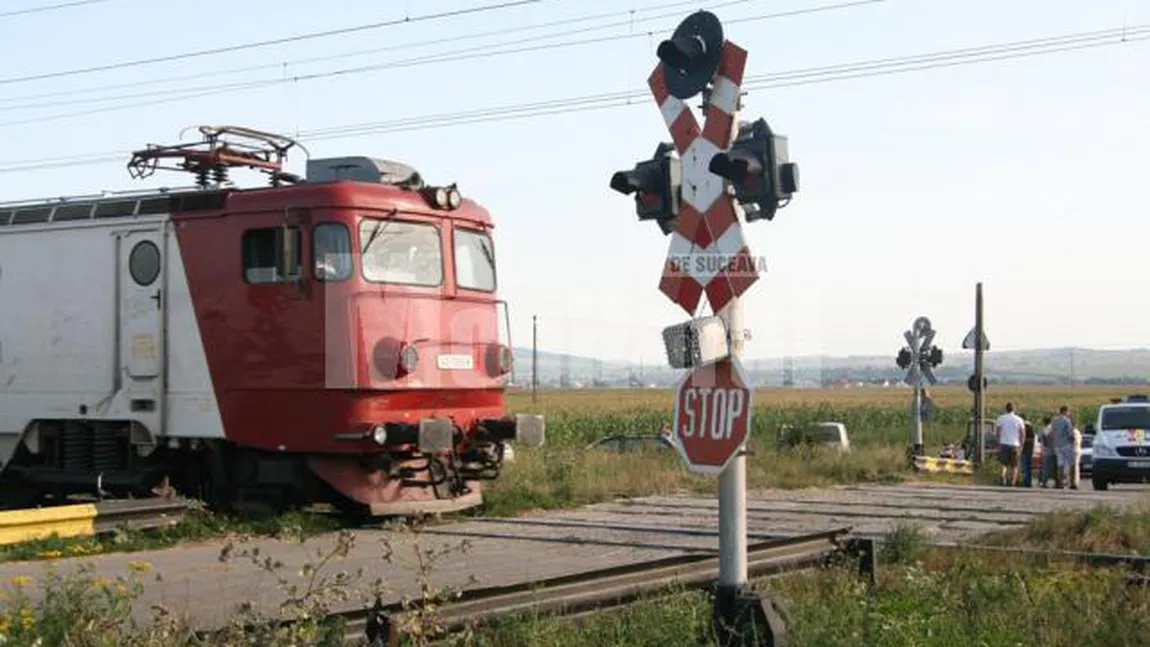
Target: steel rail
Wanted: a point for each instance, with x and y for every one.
(88, 519)
(1100, 560)
(594, 590)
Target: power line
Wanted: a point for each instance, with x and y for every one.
(374, 50)
(845, 71)
(478, 51)
(51, 7)
(266, 43)
(469, 53)
(792, 78)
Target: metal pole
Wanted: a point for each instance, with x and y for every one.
(733, 489)
(917, 440)
(979, 394)
(534, 358)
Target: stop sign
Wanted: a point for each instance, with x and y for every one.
(712, 415)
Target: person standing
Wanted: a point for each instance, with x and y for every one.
(926, 412)
(1011, 431)
(1062, 428)
(1049, 456)
(1026, 455)
(1076, 465)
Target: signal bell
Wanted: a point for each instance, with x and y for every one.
(691, 56)
(757, 165)
(657, 185)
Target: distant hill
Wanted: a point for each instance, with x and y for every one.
(1038, 366)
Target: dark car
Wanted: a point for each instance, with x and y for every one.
(1086, 460)
(624, 443)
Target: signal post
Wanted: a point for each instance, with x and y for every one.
(919, 357)
(695, 188)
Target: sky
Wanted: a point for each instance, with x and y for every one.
(1024, 173)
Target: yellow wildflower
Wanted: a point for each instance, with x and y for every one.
(4, 626)
(51, 554)
(21, 580)
(140, 565)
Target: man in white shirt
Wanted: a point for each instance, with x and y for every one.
(1011, 431)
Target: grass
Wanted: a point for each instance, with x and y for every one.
(924, 597)
(1098, 530)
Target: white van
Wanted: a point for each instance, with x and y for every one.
(1121, 451)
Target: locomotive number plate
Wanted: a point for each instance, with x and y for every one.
(455, 362)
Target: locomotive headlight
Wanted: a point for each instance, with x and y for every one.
(454, 199)
(408, 359)
(379, 434)
(438, 196)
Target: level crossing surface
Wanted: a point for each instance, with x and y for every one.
(192, 580)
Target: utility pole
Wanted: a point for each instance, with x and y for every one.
(979, 379)
(534, 358)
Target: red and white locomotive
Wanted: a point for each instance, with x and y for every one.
(332, 338)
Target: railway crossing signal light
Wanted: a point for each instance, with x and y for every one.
(904, 358)
(657, 185)
(758, 167)
(691, 55)
(934, 357)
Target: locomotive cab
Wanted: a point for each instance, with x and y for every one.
(336, 339)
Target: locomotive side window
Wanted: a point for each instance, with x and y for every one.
(144, 263)
(261, 248)
(474, 260)
(407, 253)
(331, 249)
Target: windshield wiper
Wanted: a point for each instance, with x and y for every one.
(379, 228)
(488, 255)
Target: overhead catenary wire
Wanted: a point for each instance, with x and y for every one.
(470, 53)
(363, 52)
(515, 46)
(805, 76)
(505, 4)
(50, 7)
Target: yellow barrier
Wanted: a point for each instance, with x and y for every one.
(66, 521)
(954, 466)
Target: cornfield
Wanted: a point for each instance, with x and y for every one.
(873, 416)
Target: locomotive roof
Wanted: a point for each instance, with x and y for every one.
(189, 201)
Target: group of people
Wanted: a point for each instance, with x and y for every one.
(1060, 443)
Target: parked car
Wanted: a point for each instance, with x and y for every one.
(827, 434)
(1086, 459)
(625, 443)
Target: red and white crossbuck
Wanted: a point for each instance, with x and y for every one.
(708, 252)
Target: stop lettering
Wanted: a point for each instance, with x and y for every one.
(712, 415)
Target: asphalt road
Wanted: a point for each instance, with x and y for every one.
(194, 582)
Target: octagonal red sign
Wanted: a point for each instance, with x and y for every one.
(712, 415)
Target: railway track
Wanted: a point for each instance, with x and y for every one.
(89, 519)
(594, 591)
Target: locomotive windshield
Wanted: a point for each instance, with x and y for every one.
(474, 260)
(332, 252)
(395, 251)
